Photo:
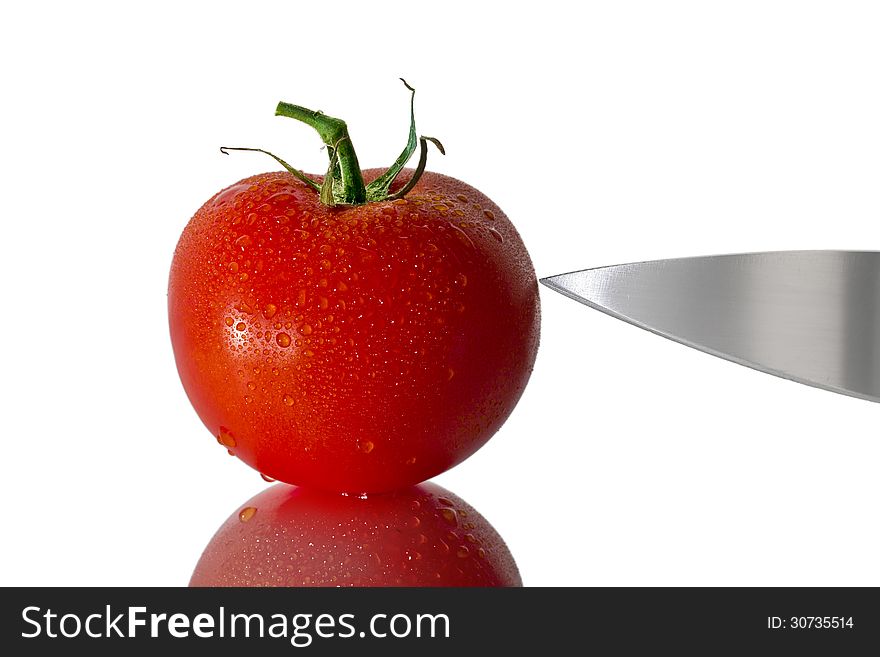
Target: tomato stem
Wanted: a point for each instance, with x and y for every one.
(344, 183)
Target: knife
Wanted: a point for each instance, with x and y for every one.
(809, 316)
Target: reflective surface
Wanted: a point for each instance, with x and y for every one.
(418, 536)
(809, 316)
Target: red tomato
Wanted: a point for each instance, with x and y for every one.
(420, 536)
(356, 348)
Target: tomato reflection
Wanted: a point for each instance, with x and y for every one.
(419, 536)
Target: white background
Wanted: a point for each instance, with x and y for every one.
(608, 132)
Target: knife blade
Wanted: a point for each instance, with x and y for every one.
(809, 316)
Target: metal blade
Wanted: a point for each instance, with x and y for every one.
(809, 316)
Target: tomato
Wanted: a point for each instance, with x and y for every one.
(352, 347)
(419, 536)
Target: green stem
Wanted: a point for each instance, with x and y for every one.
(344, 183)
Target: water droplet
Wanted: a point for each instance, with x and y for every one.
(411, 460)
(481, 553)
(450, 373)
(229, 321)
(470, 538)
(462, 198)
(306, 329)
(270, 310)
(449, 516)
(283, 340)
(462, 552)
(494, 233)
(243, 242)
(412, 555)
(241, 326)
(443, 546)
(341, 286)
(366, 446)
(225, 438)
(288, 400)
(445, 502)
(461, 280)
(247, 513)
(413, 522)
(267, 478)
(228, 194)
(230, 452)
(415, 505)
(421, 539)
(251, 385)
(489, 215)
(233, 267)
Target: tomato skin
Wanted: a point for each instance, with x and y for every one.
(419, 536)
(356, 349)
